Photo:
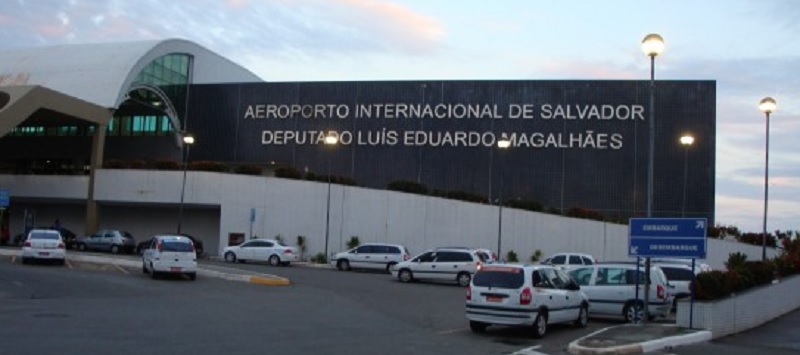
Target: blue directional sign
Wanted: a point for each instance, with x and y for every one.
(3, 197)
(667, 237)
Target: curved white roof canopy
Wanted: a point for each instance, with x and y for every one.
(102, 73)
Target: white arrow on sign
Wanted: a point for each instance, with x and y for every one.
(634, 250)
(700, 225)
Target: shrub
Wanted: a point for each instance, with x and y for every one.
(353, 242)
(114, 164)
(207, 165)
(536, 256)
(249, 169)
(762, 272)
(735, 261)
(511, 257)
(712, 285)
(319, 259)
(288, 172)
(528, 205)
(166, 164)
(579, 212)
(408, 186)
(138, 164)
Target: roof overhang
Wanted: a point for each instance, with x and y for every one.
(18, 103)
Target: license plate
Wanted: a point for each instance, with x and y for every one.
(175, 269)
(42, 253)
(493, 298)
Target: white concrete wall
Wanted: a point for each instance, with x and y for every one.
(737, 313)
(292, 207)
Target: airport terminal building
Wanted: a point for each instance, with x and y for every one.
(72, 116)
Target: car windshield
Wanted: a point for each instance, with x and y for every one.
(50, 236)
(500, 277)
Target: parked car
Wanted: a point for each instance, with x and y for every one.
(569, 260)
(379, 256)
(43, 244)
(69, 237)
(524, 295)
(198, 244)
(679, 277)
(115, 241)
(170, 254)
(698, 265)
(448, 264)
(611, 288)
(272, 251)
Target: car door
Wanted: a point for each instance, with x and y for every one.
(445, 266)
(423, 266)
(553, 286)
(246, 250)
(572, 295)
(612, 290)
(265, 249)
(106, 241)
(361, 257)
(95, 241)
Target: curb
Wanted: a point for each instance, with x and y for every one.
(260, 279)
(639, 348)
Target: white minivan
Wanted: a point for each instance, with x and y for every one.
(170, 254)
(379, 256)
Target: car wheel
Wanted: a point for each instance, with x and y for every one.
(144, 269)
(463, 279)
(343, 265)
(633, 312)
(230, 257)
(82, 247)
(115, 249)
(193, 276)
(405, 275)
(583, 317)
(24, 260)
(540, 325)
(477, 327)
(274, 260)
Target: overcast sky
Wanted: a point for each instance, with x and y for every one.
(749, 47)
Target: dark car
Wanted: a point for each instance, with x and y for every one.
(198, 244)
(70, 238)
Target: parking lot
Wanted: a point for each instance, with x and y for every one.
(323, 310)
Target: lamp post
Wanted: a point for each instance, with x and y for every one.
(652, 46)
(502, 144)
(331, 140)
(767, 106)
(188, 140)
(686, 141)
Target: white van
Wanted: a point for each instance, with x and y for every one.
(170, 254)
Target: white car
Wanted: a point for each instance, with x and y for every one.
(43, 244)
(272, 251)
(679, 277)
(569, 260)
(524, 295)
(170, 254)
(611, 288)
(379, 256)
(447, 264)
(699, 266)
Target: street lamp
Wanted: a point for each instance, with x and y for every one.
(188, 140)
(767, 106)
(686, 141)
(331, 140)
(652, 45)
(502, 144)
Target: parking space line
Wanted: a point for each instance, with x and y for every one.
(451, 331)
(69, 264)
(13, 258)
(121, 269)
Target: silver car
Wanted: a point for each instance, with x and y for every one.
(111, 240)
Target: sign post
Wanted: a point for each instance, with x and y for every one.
(667, 237)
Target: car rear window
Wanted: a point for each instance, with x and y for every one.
(500, 277)
(172, 245)
(51, 236)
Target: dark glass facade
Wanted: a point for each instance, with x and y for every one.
(574, 143)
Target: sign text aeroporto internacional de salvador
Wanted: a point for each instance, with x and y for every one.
(394, 113)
